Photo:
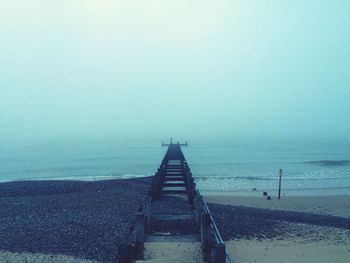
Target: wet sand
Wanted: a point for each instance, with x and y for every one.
(287, 251)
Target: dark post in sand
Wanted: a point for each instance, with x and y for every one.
(279, 187)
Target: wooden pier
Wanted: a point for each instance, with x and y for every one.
(175, 211)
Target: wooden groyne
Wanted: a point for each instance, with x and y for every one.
(175, 211)
(173, 176)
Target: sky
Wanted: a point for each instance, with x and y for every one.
(109, 68)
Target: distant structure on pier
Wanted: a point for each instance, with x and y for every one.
(171, 142)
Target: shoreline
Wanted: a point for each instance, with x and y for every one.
(320, 192)
(78, 179)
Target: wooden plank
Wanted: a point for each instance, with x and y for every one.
(174, 175)
(174, 192)
(169, 217)
(172, 238)
(174, 183)
(174, 188)
(174, 179)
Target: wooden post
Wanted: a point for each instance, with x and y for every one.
(188, 183)
(139, 234)
(147, 212)
(205, 235)
(126, 253)
(279, 186)
(198, 209)
(218, 253)
(158, 184)
(192, 188)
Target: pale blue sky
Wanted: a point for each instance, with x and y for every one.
(174, 68)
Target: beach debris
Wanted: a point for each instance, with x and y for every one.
(279, 185)
(264, 193)
(254, 189)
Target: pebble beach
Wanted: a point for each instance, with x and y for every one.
(81, 220)
(74, 221)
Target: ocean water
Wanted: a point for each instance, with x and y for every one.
(218, 166)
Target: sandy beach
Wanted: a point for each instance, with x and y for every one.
(293, 241)
(287, 251)
(172, 252)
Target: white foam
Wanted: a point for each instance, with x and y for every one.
(87, 178)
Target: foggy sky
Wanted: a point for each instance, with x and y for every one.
(174, 68)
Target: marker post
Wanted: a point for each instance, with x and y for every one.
(279, 187)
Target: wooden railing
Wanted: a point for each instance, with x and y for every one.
(213, 246)
(142, 226)
(157, 182)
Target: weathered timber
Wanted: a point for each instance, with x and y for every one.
(126, 252)
(147, 212)
(170, 220)
(205, 235)
(139, 235)
(172, 238)
(218, 253)
(198, 209)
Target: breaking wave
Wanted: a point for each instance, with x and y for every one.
(330, 162)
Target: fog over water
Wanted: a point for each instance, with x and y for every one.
(238, 69)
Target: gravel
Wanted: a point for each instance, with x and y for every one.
(88, 220)
(236, 222)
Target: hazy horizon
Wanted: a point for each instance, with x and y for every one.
(155, 69)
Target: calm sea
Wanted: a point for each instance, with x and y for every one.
(219, 166)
